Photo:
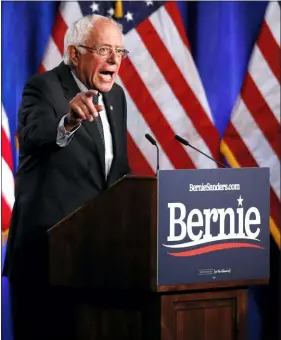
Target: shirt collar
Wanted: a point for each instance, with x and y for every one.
(79, 83)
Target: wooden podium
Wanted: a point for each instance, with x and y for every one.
(106, 251)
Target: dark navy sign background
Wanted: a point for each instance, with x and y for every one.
(210, 257)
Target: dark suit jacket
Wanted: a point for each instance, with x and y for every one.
(51, 182)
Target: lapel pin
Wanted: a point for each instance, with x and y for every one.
(111, 107)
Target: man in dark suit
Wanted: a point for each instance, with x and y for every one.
(72, 138)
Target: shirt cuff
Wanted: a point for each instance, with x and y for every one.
(64, 136)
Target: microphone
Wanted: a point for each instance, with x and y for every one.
(185, 142)
(153, 142)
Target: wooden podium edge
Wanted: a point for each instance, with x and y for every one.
(211, 285)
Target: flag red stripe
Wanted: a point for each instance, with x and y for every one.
(172, 9)
(41, 69)
(270, 49)
(5, 214)
(6, 149)
(153, 116)
(58, 32)
(179, 86)
(261, 113)
(238, 147)
(138, 162)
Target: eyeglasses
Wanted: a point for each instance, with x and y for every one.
(106, 51)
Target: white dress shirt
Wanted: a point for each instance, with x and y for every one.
(64, 137)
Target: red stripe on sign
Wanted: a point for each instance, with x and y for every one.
(270, 49)
(172, 9)
(179, 86)
(261, 113)
(215, 247)
(153, 116)
(58, 32)
(6, 149)
(138, 162)
(5, 214)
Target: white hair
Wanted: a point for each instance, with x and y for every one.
(79, 31)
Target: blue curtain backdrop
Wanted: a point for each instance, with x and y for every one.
(221, 34)
(26, 27)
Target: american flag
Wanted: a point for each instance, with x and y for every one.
(252, 137)
(7, 189)
(166, 96)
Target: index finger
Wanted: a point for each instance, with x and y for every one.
(91, 93)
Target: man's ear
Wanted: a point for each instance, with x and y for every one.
(73, 54)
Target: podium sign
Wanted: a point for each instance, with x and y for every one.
(213, 225)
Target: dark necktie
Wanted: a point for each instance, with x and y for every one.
(98, 119)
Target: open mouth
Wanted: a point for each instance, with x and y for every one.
(107, 75)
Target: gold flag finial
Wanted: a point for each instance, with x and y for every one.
(118, 9)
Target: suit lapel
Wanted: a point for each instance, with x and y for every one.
(90, 128)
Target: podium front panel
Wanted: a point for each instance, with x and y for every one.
(213, 225)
